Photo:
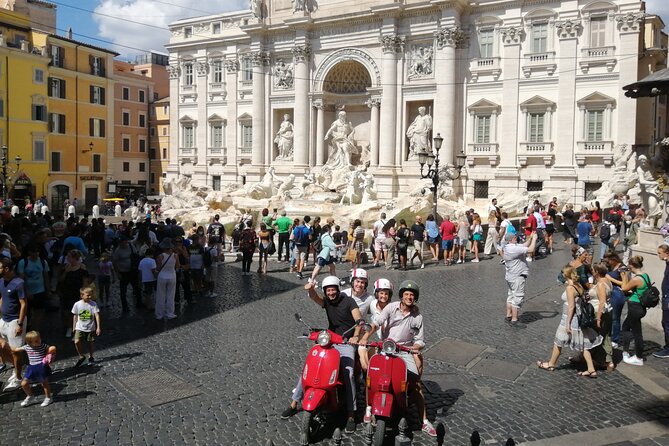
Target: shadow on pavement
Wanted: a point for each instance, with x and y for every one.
(529, 317)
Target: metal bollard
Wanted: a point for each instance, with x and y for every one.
(402, 439)
(336, 437)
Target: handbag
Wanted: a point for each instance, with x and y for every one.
(351, 254)
(271, 248)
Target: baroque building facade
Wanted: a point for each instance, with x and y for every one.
(530, 91)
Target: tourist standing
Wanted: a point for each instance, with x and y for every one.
(403, 234)
(389, 232)
(462, 238)
(379, 238)
(432, 231)
(167, 264)
(491, 236)
(448, 231)
(358, 243)
(637, 282)
(517, 270)
(418, 237)
(584, 230)
(663, 254)
(248, 241)
(600, 298)
(283, 225)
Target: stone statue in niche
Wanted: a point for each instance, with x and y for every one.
(342, 145)
(420, 62)
(284, 139)
(649, 187)
(419, 134)
(283, 75)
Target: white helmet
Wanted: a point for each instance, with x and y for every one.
(330, 281)
(359, 273)
(383, 284)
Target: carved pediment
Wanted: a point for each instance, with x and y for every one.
(244, 117)
(595, 99)
(484, 106)
(215, 118)
(537, 102)
(185, 119)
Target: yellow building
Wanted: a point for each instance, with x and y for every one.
(23, 106)
(81, 119)
(159, 138)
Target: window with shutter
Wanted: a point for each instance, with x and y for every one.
(55, 161)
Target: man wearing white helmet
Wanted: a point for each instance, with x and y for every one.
(402, 322)
(358, 290)
(342, 313)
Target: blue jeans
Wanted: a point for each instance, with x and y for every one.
(603, 247)
(346, 366)
(618, 303)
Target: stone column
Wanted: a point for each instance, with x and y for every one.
(444, 118)
(374, 104)
(629, 26)
(568, 32)
(512, 38)
(301, 57)
(392, 45)
(174, 72)
(259, 60)
(202, 130)
(231, 68)
(321, 150)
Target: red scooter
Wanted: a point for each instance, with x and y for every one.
(386, 386)
(320, 380)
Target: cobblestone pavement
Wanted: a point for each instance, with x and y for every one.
(239, 355)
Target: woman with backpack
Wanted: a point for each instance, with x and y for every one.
(403, 235)
(636, 282)
(569, 333)
(326, 256)
(390, 242)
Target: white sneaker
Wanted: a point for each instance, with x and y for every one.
(529, 259)
(46, 402)
(615, 345)
(626, 355)
(475, 260)
(459, 261)
(27, 401)
(422, 266)
(633, 360)
(13, 383)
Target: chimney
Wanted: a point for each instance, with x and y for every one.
(69, 33)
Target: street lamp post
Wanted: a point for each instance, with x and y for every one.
(433, 172)
(4, 161)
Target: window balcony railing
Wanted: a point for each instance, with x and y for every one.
(188, 155)
(590, 149)
(539, 61)
(536, 150)
(245, 150)
(485, 66)
(217, 155)
(598, 56)
(482, 150)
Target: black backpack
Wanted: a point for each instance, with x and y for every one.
(604, 231)
(651, 296)
(586, 315)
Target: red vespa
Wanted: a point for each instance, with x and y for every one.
(320, 380)
(386, 386)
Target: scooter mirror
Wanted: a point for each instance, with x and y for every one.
(298, 318)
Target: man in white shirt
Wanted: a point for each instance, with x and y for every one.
(379, 238)
(516, 274)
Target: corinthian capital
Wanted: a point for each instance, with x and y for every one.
(392, 43)
(301, 53)
(259, 58)
(454, 37)
(173, 71)
(568, 29)
(630, 22)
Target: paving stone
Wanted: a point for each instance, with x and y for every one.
(495, 368)
(455, 352)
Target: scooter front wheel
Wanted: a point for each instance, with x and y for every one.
(380, 432)
(308, 428)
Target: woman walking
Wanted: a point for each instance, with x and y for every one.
(264, 237)
(326, 254)
(637, 282)
(492, 235)
(477, 235)
(600, 298)
(390, 242)
(432, 236)
(569, 333)
(167, 264)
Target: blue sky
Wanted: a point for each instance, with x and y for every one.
(143, 23)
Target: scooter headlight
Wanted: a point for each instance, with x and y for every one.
(389, 346)
(323, 338)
